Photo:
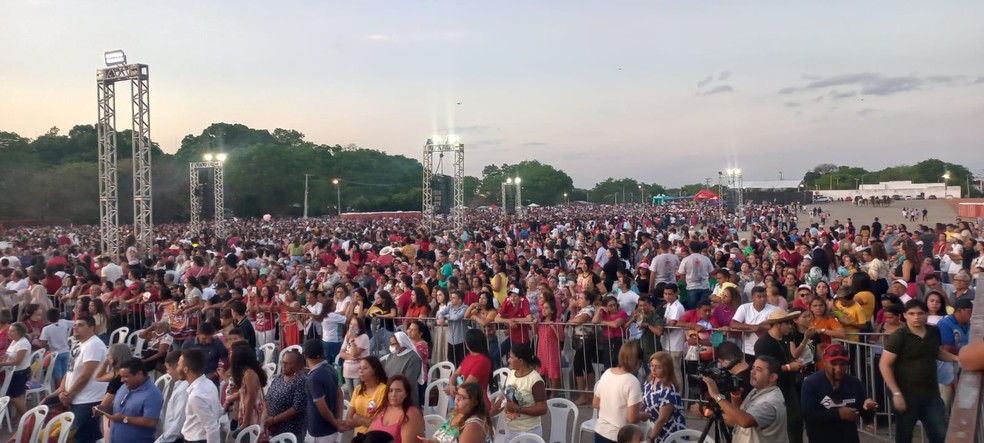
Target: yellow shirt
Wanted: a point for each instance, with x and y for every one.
(867, 301)
(853, 314)
(366, 405)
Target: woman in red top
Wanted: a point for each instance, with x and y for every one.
(419, 308)
(613, 318)
(476, 366)
(263, 308)
(290, 321)
(548, 345)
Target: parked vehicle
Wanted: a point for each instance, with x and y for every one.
(821, 199)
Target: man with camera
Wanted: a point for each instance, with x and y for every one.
(762, 416)
(831, 400)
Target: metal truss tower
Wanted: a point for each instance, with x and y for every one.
(143, 210)
(436, 145)
(196, 200)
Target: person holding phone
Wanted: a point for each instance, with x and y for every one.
(136, 407)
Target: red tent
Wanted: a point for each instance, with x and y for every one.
(704, 194)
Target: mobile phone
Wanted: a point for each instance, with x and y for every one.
(101, 411)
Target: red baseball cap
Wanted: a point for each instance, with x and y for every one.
(836, 352)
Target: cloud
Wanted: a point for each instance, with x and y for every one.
(718, 90)
(819, 98)
(792, 105)
(377, 37)
(979, 80)
(876, 84)
(473, 129)
(837, 95)
(535, 144)
(865, 111)
(704, 82)
(489, 142)
(724, 75)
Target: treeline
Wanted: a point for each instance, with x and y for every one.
(54, 178)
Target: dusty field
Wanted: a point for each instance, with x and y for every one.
(940, 211)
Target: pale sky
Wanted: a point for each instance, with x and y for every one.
(666, 92)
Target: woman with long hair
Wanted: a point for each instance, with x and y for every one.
(263, 308)
(483, 312)
(108, 372)
(909, 269)
(584, 344)
(661, 398)
(724, 311)
(938, 307)
(439, 333)
(420, 336)
(367, 398)
(291, 322)
(878, 267)
(548, 333)
(355, 346)
(525, 399)
(17, 355)
(864, 294)
(470, 421)
(382, 314)
(476, 366)
(98, 312)
(622, 401)
(249, 378)
(419, 306)
(399, 417)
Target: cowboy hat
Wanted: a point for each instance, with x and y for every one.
(781, 316)
(387, 250)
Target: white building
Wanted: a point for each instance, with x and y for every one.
(903, 188)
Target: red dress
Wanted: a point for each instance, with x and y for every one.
(548, 349)
(289, 321)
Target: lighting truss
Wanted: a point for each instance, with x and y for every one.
(195, 184)
(143, 222)
(438, 145)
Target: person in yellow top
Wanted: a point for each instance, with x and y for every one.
(368, 396)
(849, 313)
(500, 282)
(864, 295)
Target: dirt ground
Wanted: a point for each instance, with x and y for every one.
(938, 211)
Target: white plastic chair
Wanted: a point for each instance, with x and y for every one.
(119, 335)
(500, 375)
(280, 357)
(560, 409)
(270, 370)
(7, 371)
(527, 438)
(38, 413)
(346, 392)
(686, 436)
(499, 421)
(164, 385)
(42, 379)
(440, 370)
(441, 408)
(346, 405)
(286, 437)
(65, 420)
(431, 424)
(589, 424)
(249, 434)
(3, 413)
(135, 342)
(268, 350)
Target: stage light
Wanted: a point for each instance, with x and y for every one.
(208, 157)
(518, 180)
(115, 58)
(220, 157)
(509, 181)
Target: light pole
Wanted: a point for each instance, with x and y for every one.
(780, 175)
(642, 195)
(519, 195)
(566, 200)
(338, 194)
(946, 177)
(306, 194)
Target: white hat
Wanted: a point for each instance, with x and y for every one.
(387, 250)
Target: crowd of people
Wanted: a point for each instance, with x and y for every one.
(628, 302)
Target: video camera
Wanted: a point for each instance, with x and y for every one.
(726, 381)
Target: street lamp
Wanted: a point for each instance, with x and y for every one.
(306, 194)
(566, 201)
(338, 195)
(642, 195)
(946, 177)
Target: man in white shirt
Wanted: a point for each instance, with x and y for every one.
(80, 390)
(674, 339)
(627, 298)
(663, 266)
(202, 408)
(748, 318)
(757, 280)
(55, 337)
(174, 406)
(110, 271)
(696, 268)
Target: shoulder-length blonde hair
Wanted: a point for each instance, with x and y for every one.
(669, 372)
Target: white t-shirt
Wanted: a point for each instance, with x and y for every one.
(17, 286)
(620, 391)
(696, 268)
(628, 301)
(331, 327)
(747, 314)
(111, 272)
(92, 349)
(314, 309)
(674, 339)
(20, 345)
(665, 267)
(56, 334)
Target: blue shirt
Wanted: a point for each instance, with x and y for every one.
(145, 401)
(322, 383)
(953, 333)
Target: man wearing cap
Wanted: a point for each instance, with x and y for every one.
(908, 366)
(831, 400)
(776, 344)
(325, 423)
